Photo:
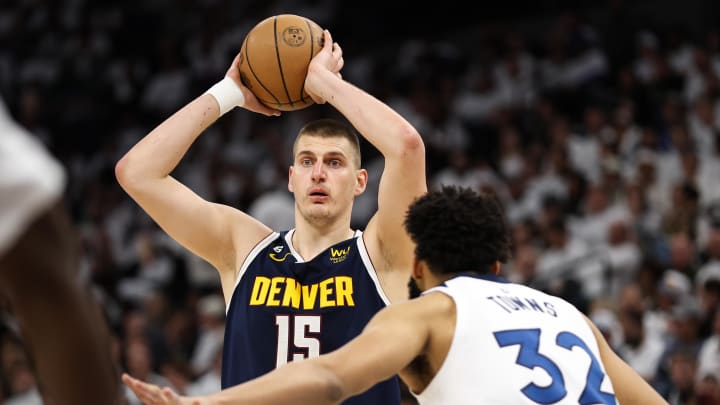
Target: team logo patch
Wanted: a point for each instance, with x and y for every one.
(276, 255)
(339, 255)
(279, 259)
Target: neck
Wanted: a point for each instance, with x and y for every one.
(309, 240)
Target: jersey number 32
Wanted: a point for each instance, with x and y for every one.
(530, 357)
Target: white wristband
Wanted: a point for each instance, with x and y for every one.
(227, 94)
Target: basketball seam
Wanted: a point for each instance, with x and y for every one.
(312, 48)
(247, 58)
(280, 68)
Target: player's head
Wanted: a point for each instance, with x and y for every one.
(326, 176)
(330, 128)
(459, 230)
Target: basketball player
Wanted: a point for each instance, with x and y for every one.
(294, 294)
(60, 322)
(470, 338)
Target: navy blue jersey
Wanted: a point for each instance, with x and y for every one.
(285, 309)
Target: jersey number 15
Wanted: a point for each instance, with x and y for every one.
(303, 329)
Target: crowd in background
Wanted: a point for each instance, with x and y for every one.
(598, 127)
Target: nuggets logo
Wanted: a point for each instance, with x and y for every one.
(279, 259)
(339, 255)
(294, 36)
(276, 256)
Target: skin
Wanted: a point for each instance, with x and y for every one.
(397, 339)
(39, 277)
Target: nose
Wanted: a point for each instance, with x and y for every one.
(318, 171)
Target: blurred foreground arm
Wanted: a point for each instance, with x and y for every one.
(61, 324)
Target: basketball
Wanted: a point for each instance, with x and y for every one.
(274, 60)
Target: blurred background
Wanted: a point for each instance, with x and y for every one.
(597, 122)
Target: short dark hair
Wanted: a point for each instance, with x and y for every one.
(456, 229)
(331, 128)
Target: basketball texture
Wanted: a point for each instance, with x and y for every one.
(274, 60)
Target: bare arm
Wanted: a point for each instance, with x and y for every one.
(403, 178)
(209, 230)
(630, 387)
(392, 339)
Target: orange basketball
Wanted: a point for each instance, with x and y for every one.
(274, 60)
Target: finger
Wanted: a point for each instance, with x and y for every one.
(339, 65)
(234, 64)
(126, 378)
(146, 397)
(236, 60)
(328, 40)
(170, 397)
(147, 393)
(268, 111)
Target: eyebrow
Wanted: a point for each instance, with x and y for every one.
(328, 154)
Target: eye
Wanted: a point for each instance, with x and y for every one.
(334, 163)
(306, 162)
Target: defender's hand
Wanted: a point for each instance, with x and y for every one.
(151, 394)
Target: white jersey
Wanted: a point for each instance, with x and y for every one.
(515, 345)
(30, 179)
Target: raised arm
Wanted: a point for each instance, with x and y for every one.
(219, 234)
(630, 388)
(392, 339)
(403, 178)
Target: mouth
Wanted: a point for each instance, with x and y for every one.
(318, 196)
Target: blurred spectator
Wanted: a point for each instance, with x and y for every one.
(623, 256)
(208, 382)
(275, 208)
(683, 368)
(707, 390)
(16, 371)
(137, 360)
(683, 254)
(642, 351)
(211, 321)
(707, 284)
(153, 271)
(523, 267)
(608, 324)
(709, 356)
(677, 369)
(600, 212)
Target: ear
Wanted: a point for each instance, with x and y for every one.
(361, 178)
(290, 179)
(496, 268)
(419, 268)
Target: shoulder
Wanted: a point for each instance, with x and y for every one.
(435, 303)
(432, 304)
